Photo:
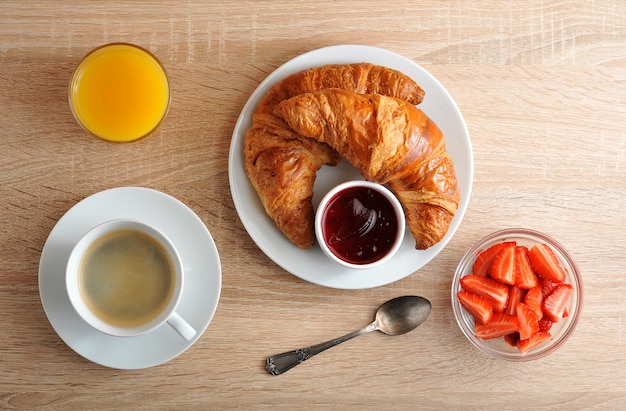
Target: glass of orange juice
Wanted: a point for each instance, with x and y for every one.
(119, 92)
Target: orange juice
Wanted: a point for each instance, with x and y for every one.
(119, 92)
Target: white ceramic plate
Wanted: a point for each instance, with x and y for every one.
(203, 276)
(311, 265)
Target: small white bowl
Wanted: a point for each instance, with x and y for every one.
(359, 224)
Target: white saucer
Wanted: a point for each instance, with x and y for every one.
(203, 276)
(312, 265)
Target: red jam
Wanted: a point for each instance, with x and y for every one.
(359, 225)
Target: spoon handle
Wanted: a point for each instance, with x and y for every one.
(280, 363)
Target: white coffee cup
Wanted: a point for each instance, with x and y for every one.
(125, 278)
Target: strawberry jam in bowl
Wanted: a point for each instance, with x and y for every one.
(359, 224)
(517, 295)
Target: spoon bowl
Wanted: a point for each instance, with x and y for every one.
(402, 314)
(395, 317)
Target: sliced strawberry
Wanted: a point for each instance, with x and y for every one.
(532, 342)
(512, 339)
(547, 286)
(534, 300)
(545, 324)
(503, 265)
(494, 291)
(516, 295)
(524, 275)
(545, 263)
(554, 303)
(529, 325)
(478, 306)
(500, 325)
(485, 258)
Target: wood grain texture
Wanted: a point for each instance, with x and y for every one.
(542, 87)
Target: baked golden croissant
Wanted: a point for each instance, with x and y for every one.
(282, 166)
(390, 141)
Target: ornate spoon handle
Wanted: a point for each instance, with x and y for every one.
(280, 363)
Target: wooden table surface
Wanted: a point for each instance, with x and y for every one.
(541, 85)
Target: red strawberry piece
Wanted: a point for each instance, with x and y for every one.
(529, 325)
(503, 265)
(545, 263)
(534, 300)
(516, 295)
(485, 258)
(494, 291)
(532, 342)
(524, 275)
(547, 286)
(479, 307)
(554, 303)
(500, 325)
(545, 324)
(512, 339)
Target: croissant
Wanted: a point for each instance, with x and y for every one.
(282, 166)
(391, 142)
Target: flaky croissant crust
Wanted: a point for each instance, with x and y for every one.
(390, 141)
(282, 166)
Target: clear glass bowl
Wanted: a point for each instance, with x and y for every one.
(560, 331)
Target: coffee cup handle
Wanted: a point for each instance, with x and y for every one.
(181, 326)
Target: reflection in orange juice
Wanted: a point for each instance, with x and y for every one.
(119, 92)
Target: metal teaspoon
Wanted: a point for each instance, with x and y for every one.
(395, 317)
